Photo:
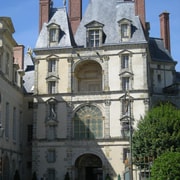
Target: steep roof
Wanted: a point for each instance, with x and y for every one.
(158, 51)
(109, 13)
(28, 78)
(59, 17)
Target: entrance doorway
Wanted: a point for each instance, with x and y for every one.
(89, 167)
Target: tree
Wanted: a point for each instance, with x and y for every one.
(166, 166)
(157, 132)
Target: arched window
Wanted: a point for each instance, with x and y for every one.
(88, 123)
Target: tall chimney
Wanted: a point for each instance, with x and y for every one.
(44, 10)
(165, 30)
(18, 53)
(140, 11)
(75, 14)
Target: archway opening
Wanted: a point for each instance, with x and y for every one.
(88, 75)
(89, 167)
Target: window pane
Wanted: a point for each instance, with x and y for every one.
(125, 61)
(124, 30)
(125, 83)
(94, 40)
(52, 35)
(88, 123)
(52, 65)
(52, 87)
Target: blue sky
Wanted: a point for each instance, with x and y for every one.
(25, 17)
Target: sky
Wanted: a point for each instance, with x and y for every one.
(25, 18)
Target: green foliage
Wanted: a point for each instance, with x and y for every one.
(157, 132)
(166, 166)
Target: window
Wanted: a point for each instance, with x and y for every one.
(125, 61)
(95, 34)
(125, 29)
(14, 124)
(52, 35)
(88, 123)
(125, 83)
(51, 156)
(7, 121)
(29, 132)
(94, 40)
(52, 65)
(51, 87)
(51, 174)
(7, 63)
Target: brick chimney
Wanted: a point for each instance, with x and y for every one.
(44, 12)
(75, 14)
(165, 30)
(140, 11)
(18, 53)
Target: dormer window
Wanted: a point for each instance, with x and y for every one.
(125, 29)
(54, 33)
(94, 34)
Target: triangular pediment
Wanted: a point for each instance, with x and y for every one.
(124, 20)
(126, 73)
(94, 24)
(53, 25)
(52, 56)
(125, 51)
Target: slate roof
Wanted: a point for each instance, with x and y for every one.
(158, 51)
(109, 13)
(59, 17)
(28, 78)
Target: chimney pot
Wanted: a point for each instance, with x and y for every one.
(165, 30)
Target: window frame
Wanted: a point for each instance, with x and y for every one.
(125, 29)
(53, 34)
(94, 34)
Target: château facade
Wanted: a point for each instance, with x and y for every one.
(88, 83)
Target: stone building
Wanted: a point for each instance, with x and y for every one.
(70, 106)
(13, 120)
(94, 75)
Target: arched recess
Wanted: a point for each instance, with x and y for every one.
(87, 77)
(89, 167)
(88, 122)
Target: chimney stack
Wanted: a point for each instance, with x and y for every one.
(165, 30)
(44, 9)
(140, 11)
(75, 14)
(18, 53)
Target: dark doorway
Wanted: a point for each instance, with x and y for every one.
(93, 173)
(89, 167)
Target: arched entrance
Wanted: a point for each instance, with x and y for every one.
(89, 167)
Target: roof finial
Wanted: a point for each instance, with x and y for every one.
(64, 2)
